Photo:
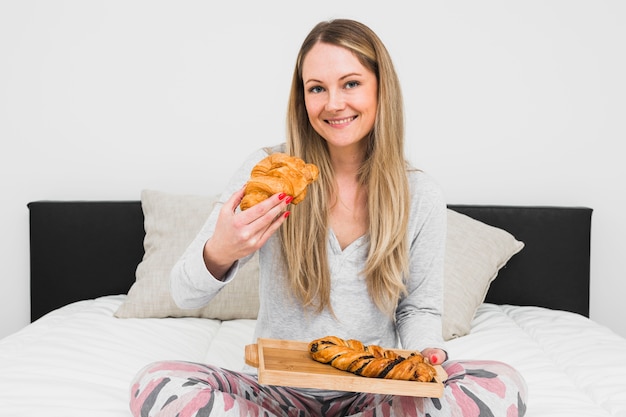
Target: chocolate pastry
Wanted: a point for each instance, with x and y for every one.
(371, 361)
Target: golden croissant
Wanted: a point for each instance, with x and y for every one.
(278, 173)
(371, 360)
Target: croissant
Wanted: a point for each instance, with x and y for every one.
(277, 173)
(371, 361)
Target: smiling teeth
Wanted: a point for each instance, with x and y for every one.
(342, 121)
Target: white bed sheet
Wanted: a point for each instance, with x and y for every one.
(79, 360)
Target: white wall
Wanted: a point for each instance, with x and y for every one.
(507, 103)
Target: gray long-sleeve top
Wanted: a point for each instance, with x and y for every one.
(417, 323)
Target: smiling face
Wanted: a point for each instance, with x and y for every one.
(340, 95)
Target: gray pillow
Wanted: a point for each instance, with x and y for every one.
(171, 222)
(475, 252)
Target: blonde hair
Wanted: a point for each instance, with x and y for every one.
(383, 175)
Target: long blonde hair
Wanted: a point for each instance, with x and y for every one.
(383, 175)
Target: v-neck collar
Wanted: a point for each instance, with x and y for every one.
(354, 245)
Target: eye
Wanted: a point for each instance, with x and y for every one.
(316, 89)
(352, 84)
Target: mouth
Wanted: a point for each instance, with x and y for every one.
(339, 122)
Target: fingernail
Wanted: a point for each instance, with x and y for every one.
(286, 214)
(281, 196)
(433, 359)
(289, 200)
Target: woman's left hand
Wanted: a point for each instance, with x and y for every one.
(435, 356)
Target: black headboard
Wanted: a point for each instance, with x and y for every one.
(81, 250)
(553, 268)
(86, 249)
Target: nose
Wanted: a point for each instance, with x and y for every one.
(335, 101)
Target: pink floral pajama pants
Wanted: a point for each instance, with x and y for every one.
(185, 389)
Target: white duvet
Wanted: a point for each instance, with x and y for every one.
(79, 360)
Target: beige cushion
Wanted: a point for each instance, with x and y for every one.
(171, 222)
(475, 252)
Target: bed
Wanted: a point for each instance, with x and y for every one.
(528, 306)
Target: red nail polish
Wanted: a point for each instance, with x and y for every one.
(281, 196)
(433, 359)
(289, 200)
(286, 214)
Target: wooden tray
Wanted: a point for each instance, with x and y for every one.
(288, 363)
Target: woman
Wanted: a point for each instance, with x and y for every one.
(361, 257)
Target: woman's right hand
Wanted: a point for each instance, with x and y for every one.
(240, 233)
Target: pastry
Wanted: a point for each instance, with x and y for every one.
(371, 361)
(276, 173)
